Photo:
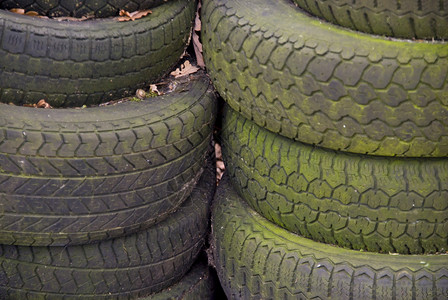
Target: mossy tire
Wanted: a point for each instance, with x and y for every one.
(128, 267)
(75, 176)
(72, 63)
(372, 203)
(324, 85)
(256, 259)
(80, 8)
(414, 19)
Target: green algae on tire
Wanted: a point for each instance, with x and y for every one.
(256, 259)
(327, 86)
(411, 19)
(127, 267)
(80, 8)
(74, 176)
(72, 63)
(379, 204)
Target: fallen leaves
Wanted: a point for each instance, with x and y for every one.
(220, 167)
(124, 16)
(127, 16)
(153, 88)
(40, 104)
(31, 13)
(185, 69)
(197, 45)
(21, 11)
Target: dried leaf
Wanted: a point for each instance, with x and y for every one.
(197, 46)
(197, 20)
(154, 89)
(124, 13)
(218, 151)
(220, 166)
(185, 69)
(127, 16)
(19, 11)
(72, 18)
(42, 104)
(32, 13)
(219, 174)
(140, 14)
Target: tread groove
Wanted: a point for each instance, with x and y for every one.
(321, 268)
(372, 203)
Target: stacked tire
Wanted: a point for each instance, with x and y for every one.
(336, 145)
(105, 202)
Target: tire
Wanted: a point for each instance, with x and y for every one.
(255, 259)
(414, 19)
(198, 284)
(72, 63)
(77, 176)
(128, 267)
(80, 8)
(326, 86)
(371, 203)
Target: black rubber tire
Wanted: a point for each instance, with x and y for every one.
(255, 259)
(72, 63)
(128, 267)
(323, 85)
(378, 204)
(80, 8)
(77, 176)
(198, 284)
(419, 19)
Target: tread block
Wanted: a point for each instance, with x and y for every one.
(323, 85)
(277, 263)
(359, 201)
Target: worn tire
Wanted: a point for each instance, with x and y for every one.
(255, 259)
(324, 85)
(128, 267)
(72, 63)
(80, 8)
(78, 176)
(427, 19)
(198, 284)
(363, 202)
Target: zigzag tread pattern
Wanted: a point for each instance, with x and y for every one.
(76, 204)
(135, 265)
(359, 202)
(81, 8)
(89, 62)
(257, 260)
(326, 86)
(417, 19)
(101, 141)
(123, 214)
